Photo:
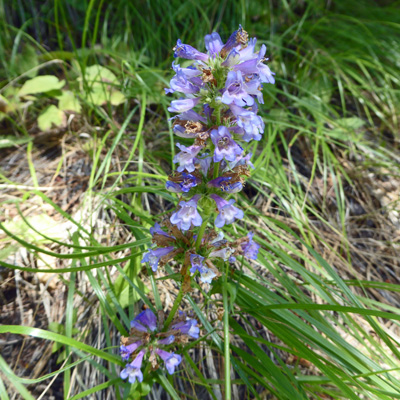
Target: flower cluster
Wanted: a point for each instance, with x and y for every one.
(217, 118)
(146, 338)
(219, 113)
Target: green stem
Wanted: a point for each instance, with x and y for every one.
(147, 370)
(226, 338)
(216, 170)
(174, 309)
(218, 115)
(200, 234)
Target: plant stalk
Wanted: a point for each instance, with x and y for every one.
(226, 338)
(200, 234)
(216, 170)
(174, 309)
(218, 115)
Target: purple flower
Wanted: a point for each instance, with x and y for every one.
(188, 52)
(225, 146)
(235, 90)
(189, 72)
(168, 340)
(232, 59)
(250, 122)
(173, 187)
(208, 111)
(219, 240)
(224, 253)
(171, 360)
(153, 256)
(197, 263)
(213, 44)
(157, 230)
(256, 66)
(187, 183)
(144, 321)
(227, 211)
(254, 87)
(132, 370)
(204, 163)
(187, 215)
(239, 37)
(207, 276)
(186, 156)
(250, 248)
(126, 351)
(239, 160)
(180, 83)
(223, 183)
(190, 115)
(180, 131)
(247, 53)
(183, 105)
(188, 327)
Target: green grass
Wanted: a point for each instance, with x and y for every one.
(332, 133)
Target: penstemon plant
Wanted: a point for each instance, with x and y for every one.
(219, 113)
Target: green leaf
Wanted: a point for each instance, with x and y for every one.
(97, 95)
(52, 116)
(102, 84)
(96, 74)
(100, 95)
(122, 289)
(139, 390)
(41, 84)
(117, 98)
(69, 102)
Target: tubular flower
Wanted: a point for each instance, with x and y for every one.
(183, 105)
(187, 215)
(126, 351)
(224, 184)
(188, 327)
(171, 360)
(250, 248)
(132, 371)
(225, 146)
(186, 157)
(145, 321)
(227, 211)
(252, 125)
(186, 183)
(153, 257)
(197, 263)
(235, 91)
(189, 52)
